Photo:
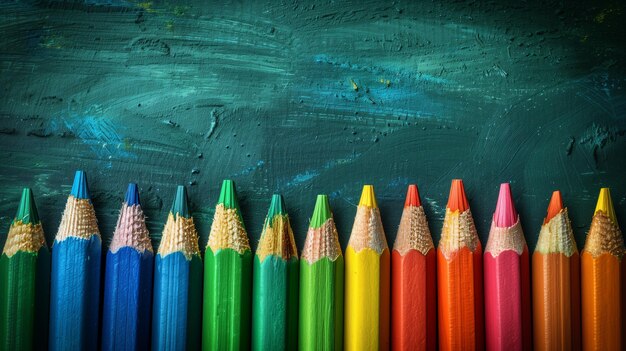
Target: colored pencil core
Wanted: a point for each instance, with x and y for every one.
(605, 204)
(179, 206)
(132, 195)
(80, 190)
(368, 198)
(412, 197)
(555, 206)
(505, 215)
(457, 201)
(321, 213)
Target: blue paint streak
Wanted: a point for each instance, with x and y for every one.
(75, 294)
(80, 189)
(127, 300)
(175, 279)
(100, 133)
(132, 195)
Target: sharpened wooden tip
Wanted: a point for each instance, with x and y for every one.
(457, 201)
(505, 214)
(555, 206)
(605, 204)
(412, 197)
(368, 198)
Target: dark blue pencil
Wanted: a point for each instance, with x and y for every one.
(75, 276)
(128, 280)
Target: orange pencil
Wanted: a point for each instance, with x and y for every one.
(413, 286)
(603, 272)
(459, 277)
(556, 282)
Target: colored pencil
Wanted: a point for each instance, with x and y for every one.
(460, 277)
(227, 277)
(75, 277)
(508, 322)
(603, 273)
(556, 282)
(275, 283)
(24, 281)
(176, 314)
(321, 283)
(367, 279)
(128, 280)
(413, 280)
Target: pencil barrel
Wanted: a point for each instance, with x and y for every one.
(321, 305)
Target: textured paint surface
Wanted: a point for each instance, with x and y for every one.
(127, 300)
(75, 294)
(507, 301)
(24, 300)
(305, 97)
(556, 302)
(227, 298)
(275, 307)
(413, 301)
(177, 312)
(321, 305)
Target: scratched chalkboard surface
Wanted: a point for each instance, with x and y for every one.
(308, 97)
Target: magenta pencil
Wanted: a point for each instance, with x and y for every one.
(507, 280)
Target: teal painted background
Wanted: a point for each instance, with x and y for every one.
(307, 97)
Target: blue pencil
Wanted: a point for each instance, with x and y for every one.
(75, 276)
(128, 280)
(177, 309)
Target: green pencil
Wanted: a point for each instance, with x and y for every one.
(321, 283)
(24, 281)
(275, 283)
(227, 278)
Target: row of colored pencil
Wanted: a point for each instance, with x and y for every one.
(453, 297)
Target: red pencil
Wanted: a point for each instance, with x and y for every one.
(507, 280)
(413, 284)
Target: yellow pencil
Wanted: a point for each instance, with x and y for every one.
(367, 279)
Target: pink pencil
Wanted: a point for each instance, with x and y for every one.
(507, 280)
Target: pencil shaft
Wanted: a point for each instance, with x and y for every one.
(367, 299)
(75, 294)
(556, 301)
(275, 304)
(603, 310)
(227, 298)
(24, 286)
(461, 319)
(127, 300)
(507, 301)
(321, 305)
(414, 301)
(177, 302)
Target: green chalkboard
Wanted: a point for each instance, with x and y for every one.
(312, 97)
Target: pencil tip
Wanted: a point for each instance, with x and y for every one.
(505, 214)
(228, 195)
(80, 190)
(179, 207)
(322, 212)
(412, 197)
(605, 204)
(27, 211)
(132, 195)
(555, 206)
(277, 206)
(457, 201)
(368, 198)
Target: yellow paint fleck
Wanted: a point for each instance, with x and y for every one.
(354, 86)
(387, 82)
(146, 5)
